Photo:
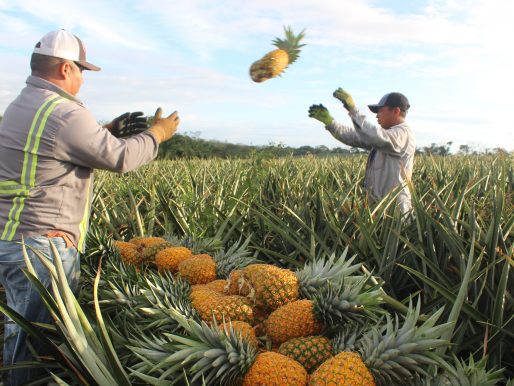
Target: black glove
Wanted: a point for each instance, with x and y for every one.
(128, 124)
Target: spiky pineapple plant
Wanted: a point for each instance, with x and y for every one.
(387, 355)
(275, 62)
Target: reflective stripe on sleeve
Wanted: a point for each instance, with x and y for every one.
(28, 173)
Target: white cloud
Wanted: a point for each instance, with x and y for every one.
(452, 58)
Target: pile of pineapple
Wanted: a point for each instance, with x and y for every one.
(260, 324)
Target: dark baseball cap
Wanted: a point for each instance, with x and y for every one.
(393, 99)
(63, 44)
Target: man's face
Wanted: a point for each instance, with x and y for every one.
(74, 80)
(388, 116)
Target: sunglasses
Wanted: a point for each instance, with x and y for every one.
(80, 66)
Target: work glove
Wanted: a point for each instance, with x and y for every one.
(128, 124)
(343, 96)
(164, 128)
(320, 113)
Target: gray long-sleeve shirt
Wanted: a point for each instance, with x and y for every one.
(49, 145)
(391, 158)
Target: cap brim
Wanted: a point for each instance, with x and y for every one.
(374, 108)
(88, 66)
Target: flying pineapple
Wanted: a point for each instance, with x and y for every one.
(275, 62)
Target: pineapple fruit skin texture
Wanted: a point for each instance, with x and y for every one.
(293, 320)
(344, 369)
(270, 65)
(211, 304)
(169, 259)
(198, 269)
(271, 368)
(268, 286)
(129, 252)
(309, 351)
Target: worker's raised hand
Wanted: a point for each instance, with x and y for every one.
(128, 124)
(345, 97)
(164, 128)
(320, 113)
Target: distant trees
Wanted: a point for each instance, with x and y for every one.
(435, 149)
(187, 146)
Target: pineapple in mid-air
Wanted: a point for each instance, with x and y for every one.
(275, 62)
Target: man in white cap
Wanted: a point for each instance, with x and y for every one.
(392, 145)
(49, 145)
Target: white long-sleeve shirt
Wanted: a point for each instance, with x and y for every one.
(391, 158)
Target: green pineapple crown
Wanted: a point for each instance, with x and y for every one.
(291, 44)
(236, 257)
(395, 354)
(207, 353)
(316, 275)
(337, 304)
(463, 373)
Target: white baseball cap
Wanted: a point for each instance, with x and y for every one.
(65, 45)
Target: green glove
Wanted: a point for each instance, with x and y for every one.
(343, 96)
(320, 113)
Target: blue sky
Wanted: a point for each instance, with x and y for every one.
(453, 59)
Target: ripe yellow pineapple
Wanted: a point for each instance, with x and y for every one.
(276, 61)
(266, 285)
(129, 252)
(145, 242)
(345, 369)
(309, 351)
(209, 303)
(151, 251)
(271, 368)
(198, 269)
(168, 259)
(388, 354)
(270, 287)
(216, 285)
(331, 307)
(293, 320)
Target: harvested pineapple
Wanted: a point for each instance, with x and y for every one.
(389, 354)
(331, 308)
(128, 252)
(198, 269)
(168, 259)
(310, 351)
(270, 287)
(275, 62)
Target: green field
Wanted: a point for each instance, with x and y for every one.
(455, 253)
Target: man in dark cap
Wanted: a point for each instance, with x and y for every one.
(392, 144)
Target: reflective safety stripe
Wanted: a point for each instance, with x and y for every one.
(11, 187)
(85, 220)
(28, 173)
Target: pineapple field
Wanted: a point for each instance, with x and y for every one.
(278, 272)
